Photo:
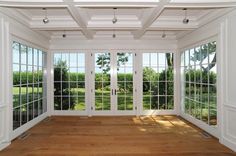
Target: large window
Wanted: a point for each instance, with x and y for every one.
(69, 81)
(158, 83)
(29, 83)
(198, 66)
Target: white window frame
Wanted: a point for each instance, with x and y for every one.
(15, 133)
(213, 130)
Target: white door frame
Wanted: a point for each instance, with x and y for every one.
(137, 84)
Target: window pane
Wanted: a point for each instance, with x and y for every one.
(200, 97)
(158, 81)
(28, 67)
(69, 81)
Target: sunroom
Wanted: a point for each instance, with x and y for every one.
(102, 77)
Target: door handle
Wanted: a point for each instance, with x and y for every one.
(112, 92)
(115, 91)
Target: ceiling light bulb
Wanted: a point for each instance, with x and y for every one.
(163, 35)
(114, 20)
(185, 21)
(45, 20)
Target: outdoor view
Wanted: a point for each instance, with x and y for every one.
(125, 81)
(69, 81)
(158, 81)
(199, 74)
(29, 84)
(102, 81)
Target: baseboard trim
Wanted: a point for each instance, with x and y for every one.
(4, 145)
(228, 143)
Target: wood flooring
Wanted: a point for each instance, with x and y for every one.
(116, 136)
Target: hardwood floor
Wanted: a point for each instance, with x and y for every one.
(116, 136)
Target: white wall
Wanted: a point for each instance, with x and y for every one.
(4, 101)
(11, 30)
(76, 44)
(228, 105)
(224, 32)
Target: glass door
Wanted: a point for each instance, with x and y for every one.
(102, 81)
(124, 81)
(113, 83)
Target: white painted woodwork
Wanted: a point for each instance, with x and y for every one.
(140, 25)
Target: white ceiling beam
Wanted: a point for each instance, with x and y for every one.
(75, 14)
(155, 14)
(201, 5)
(32, 4)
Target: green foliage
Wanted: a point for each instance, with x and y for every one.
(104, 62)
(200, 76)
(61, 73)
(27, 77)
(204, 52)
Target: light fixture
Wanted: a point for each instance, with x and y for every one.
(163, 34)
(114, 20)
(45, 20)
(64, 34)
(113, 35)
(185, 20)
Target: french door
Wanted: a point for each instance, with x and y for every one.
(113, 83)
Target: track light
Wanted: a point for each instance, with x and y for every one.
(163, 35)
(185, 20)
(113, 35)
(45, 20)
(114, 20)
(64, 34)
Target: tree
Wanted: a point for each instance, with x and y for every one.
(169, 59)
(104, 61)
(61, 75)
(202, 53)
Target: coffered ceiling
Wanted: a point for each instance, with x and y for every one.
(92, 19)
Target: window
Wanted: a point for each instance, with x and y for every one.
(198, 66)
(69, 81)
(125, 81)
(158, 83)
(29, 84)
(102, 81)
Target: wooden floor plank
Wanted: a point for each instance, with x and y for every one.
(118, 136)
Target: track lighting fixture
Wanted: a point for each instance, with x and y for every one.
(185, 20)
(64, 34)
(163, 35)
(114, 20)
(45, 20)
(113, 35)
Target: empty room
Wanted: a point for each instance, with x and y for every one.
(117, 78)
